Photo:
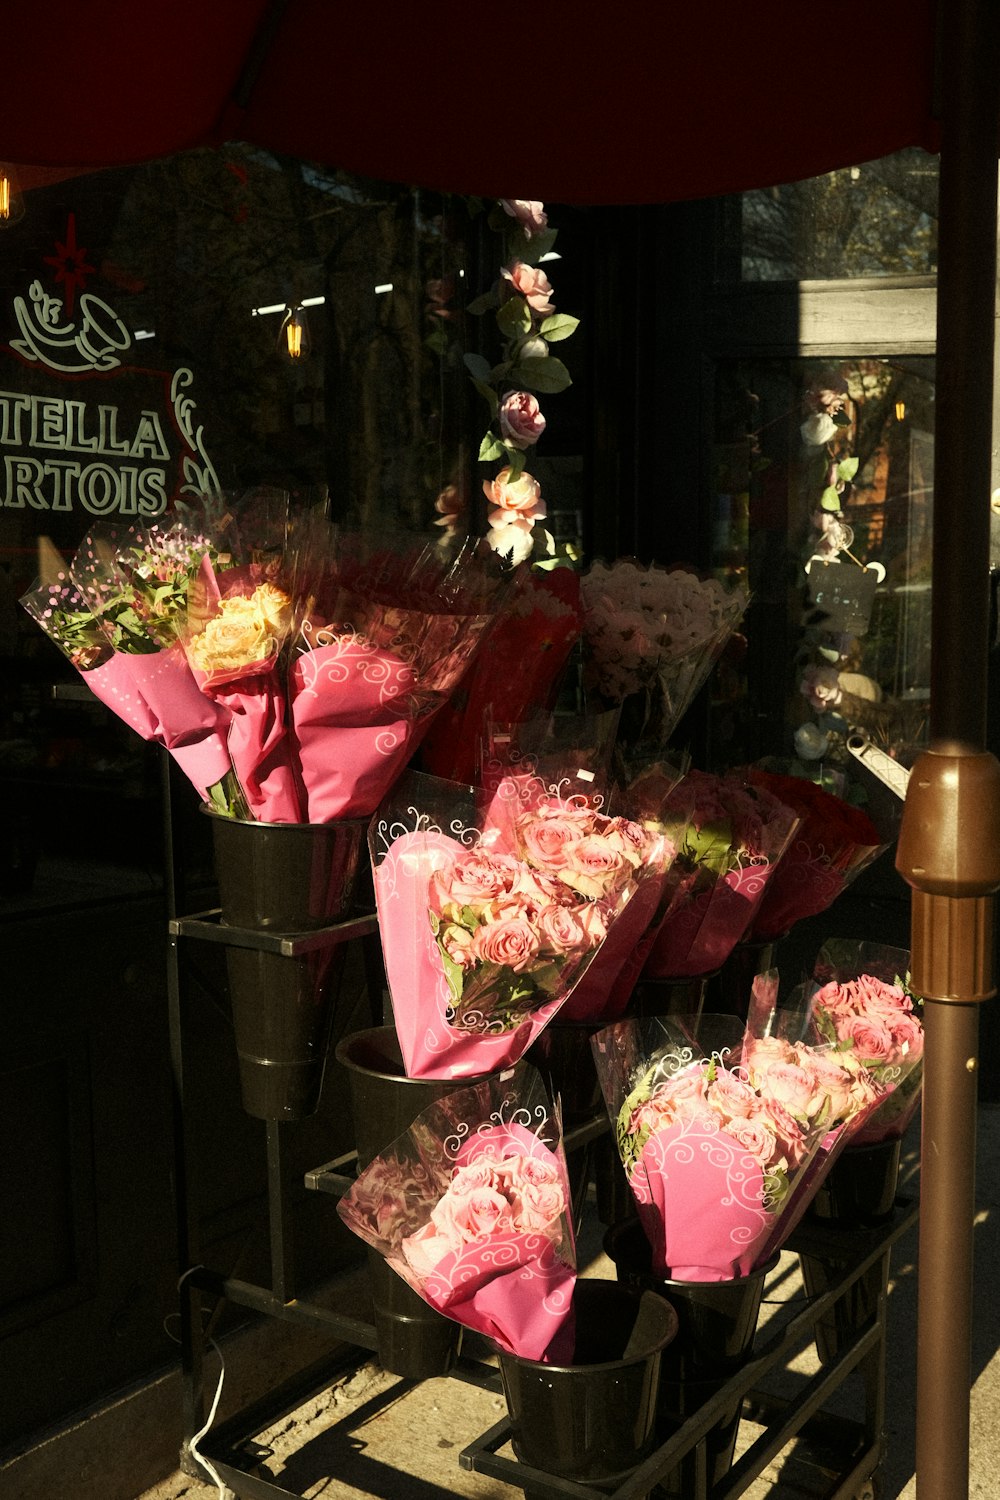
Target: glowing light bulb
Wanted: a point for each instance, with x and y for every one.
(11, 201)
(293, 339)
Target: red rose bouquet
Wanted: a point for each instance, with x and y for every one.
(471, 1208)
(515, 680)
(728, 849)
(832, 844)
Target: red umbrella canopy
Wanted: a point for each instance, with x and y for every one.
(570, 101)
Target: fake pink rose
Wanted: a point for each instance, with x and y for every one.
(533, 285)
(521, 420)
(515, 499)
(528, 212)
(511, 942)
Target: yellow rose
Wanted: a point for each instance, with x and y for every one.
(244, 631)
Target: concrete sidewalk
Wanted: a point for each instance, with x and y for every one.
(372, 1435)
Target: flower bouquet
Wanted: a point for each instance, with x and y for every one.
(514, 681)
(728, 849)
(832, 844)
(385, 640)
(716, 1132)
(652, 636)
(112, 620)
(470, 1206)
(490, 915)
(860, 1001)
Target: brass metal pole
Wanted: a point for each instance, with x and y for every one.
(949, 846)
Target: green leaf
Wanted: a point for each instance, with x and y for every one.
(477, 366)
(558, 326)
(847, 468)
(830, 498)
(490, 448)
(514, 318)
(452, 973)
(437, 341)
(531, 251)
(515, 460)
(482, 304)
(542, 374)
(488, 394)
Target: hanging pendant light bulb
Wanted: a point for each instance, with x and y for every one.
(293, 339)
(11, 200)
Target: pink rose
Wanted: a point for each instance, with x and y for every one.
(511, 942)
(528, 212)
(533, 285)
(518, 499)
(459, 944)
(791, 1137)
(596, 867)
(593, 922)
(537, 1207)
(521, 420)
(475, 877)
(548, 840)
(755, 1136)
(561, 931)
(792, 1086)
(873, 1042)
(730, 1097)
(471, 1215)
(425, 1250)
(908, 1034)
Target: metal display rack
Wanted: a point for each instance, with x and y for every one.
(854, 1446)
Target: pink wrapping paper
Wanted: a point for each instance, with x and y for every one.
(192, 727)
(115, 686)
(700, 1201)
(356, 721)
(259, 739)
(470, 1208)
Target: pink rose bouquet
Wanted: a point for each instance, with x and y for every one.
(717, 1137)
(730, 836)
(487, 927)
(860, 1001)
(471, 1208)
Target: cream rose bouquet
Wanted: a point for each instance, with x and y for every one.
(489, 917)
(652, 636)
(471, 1208)
(717, 1133)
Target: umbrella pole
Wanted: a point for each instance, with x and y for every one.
(949, 846)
